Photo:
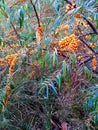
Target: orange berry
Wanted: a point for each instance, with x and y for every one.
(80, 57)
(94, 56)
(20, 30)
(85, 23)
(52, 33)
(42, 53)
(87, 37)
(69, 43)
(93, 45)
(78, 16)
(89, 52)
(32, 74)
(94, 62)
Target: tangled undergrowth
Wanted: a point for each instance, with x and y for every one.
(48, 65)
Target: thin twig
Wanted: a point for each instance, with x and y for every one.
(84, 42)
(91, 33)
(15, 31)
(69, 2)
(10, 46)
(88, 59)
(16, 71)
(35, 13)
(91, 25)
(37, 66)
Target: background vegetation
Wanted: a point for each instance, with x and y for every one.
(48, 64)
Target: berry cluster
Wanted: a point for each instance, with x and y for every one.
(69, 43)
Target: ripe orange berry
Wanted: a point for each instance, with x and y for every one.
(94, 62)
(93, 45)
(69, 43)
(87, 37)
(80, 57)
(85, 23)
(32, 74)
(78, 16)
(52, 33)
(89, 52)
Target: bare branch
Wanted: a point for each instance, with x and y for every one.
(35, 13)
(91, 25)
(69, 2)
(88, 59)
(90, 33)
(15, 31)
(84, 42)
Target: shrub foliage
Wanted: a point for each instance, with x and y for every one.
(48, 64)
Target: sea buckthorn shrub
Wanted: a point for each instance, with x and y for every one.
(48, 62)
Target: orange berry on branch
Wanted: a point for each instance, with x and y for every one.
(52, 33)
(32, 74)
(87, 37)
(78, 16)
(89, 52)
(8, 90)
(80, 57)
(85, 23)
(39, 34)
(93, 45)
(94, 63)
